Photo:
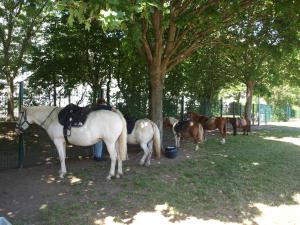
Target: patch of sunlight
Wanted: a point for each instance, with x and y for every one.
(48, 159)
(223, 155)
(8, 136)
(50, 179)
(292, 140)
(163, 214)
(43, 207)
(283, 214)
(74, 180)
(11, 214)
(144, 124)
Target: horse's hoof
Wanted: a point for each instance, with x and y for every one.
(223, 141)
(147, 164)
(118, 176)
(108, 178)
(141, 163)
(62, 175)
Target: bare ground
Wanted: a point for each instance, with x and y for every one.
(25, 192)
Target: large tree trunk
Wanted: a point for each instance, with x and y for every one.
(10, 102)
(156, 101)
(249, 95)
(54, 96)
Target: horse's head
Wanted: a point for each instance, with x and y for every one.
(23, 122)
(169, 121)
(193, 116)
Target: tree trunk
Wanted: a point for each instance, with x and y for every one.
(108, 89)
(156, 101)
(10, 101)
(54, 96)
(249, 95)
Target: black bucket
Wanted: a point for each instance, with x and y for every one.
(171, 152)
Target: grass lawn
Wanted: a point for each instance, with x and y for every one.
(236, 183)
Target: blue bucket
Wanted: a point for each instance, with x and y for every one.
(171, 152)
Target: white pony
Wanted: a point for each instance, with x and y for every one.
(146, 133)
(100, 125)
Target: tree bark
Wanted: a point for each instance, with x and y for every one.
(249, 95)
(54, 96)
(10, 101)
(156, 101)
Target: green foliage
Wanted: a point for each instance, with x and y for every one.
(74, 55)
(281, 98)
(133, 80)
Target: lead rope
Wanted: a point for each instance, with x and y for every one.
(47, 117)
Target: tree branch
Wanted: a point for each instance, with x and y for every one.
(147, 49)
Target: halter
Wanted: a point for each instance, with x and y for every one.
(20, 125)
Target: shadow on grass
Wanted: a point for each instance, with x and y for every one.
(219, 182)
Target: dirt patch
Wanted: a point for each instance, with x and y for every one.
(25, 193)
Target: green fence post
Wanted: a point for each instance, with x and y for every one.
(266, 116)
(258, 111)
(21, 137)
(253, 117)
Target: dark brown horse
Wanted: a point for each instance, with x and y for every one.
(188, 129)
(211, 123)
(245, 124)
(185, 129)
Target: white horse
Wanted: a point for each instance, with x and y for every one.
(100, 125)
(146, 133)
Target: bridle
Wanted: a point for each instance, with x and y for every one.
(25, 121)
(19, 125)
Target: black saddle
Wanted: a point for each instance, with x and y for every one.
(73, 116)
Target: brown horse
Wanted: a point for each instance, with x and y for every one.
(188, 129)
(211, 123)
(243, 123)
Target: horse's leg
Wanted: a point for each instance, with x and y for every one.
(234, 129)
(178, 141)
(204, 134)
(120, 161)
(146, 152)
(120, 170)
(221, 130)
(150, 148)
(61, 149)
(113, 158)
(197, 146)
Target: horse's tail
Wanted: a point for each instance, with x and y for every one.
(156, 140)
(122, 140)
